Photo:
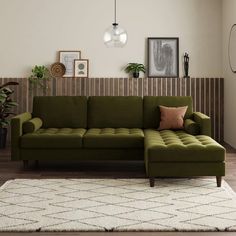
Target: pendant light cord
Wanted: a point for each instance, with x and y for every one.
(115, 11)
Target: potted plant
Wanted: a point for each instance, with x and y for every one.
(40, 75)
(135, 69)
(6, 106)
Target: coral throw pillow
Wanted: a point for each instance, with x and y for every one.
(172, 117)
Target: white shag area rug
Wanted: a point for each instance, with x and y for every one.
(116, 205)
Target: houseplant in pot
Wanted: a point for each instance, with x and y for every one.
(39, 77)
(135, 69)
(6, 106)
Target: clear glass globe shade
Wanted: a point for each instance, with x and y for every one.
(115, 36)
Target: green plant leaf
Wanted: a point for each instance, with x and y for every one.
(9, 83)
(6, 103)
(4, 123)
(12, 103)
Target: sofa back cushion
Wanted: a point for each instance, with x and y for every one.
(151, 108)
(115, 112)
(61, 111)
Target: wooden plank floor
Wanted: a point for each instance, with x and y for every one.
(12, 170)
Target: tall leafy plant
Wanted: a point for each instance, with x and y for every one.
(6, 104)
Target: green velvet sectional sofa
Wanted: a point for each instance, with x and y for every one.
(118, 128)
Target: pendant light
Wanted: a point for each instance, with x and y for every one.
(115, 36)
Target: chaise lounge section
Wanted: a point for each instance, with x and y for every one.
(169, 153)
(178, 153)
(118, 128)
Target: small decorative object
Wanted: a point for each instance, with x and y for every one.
(232, 48)
(115, 36)
(6, 106)
(40, 75)
(186, 65)
(135, 68)
(81, 68)
(163, 57)
(67, 58)
(58, 70)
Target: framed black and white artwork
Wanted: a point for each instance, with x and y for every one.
(67, 59)
(163, 57)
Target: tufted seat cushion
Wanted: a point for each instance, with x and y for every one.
(114, 138)
(53, 138)
(178, 146)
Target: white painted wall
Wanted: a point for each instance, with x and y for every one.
(32, 31)
(229, 18)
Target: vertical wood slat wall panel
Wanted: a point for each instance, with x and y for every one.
(207, 93)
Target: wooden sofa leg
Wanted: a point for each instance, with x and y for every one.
(218, 180)
(25, 164)
(152, 181)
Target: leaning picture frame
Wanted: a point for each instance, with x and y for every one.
(163, 57)
(81, 68)
(67, 58)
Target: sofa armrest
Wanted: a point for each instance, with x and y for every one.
(16, 132)
(191, 127)
(204, 122)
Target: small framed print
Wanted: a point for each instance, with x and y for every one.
(67, 58)
(81, 68)
(163, 57)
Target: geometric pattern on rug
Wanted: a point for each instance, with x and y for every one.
(116, 205)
